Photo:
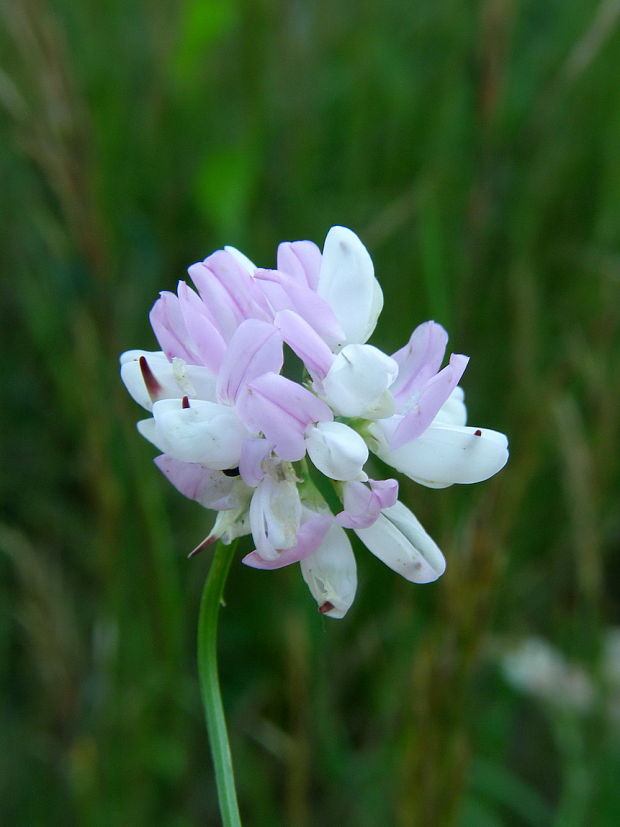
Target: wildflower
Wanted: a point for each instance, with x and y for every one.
(241, 438)
(534, 666)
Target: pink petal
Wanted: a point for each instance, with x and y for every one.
(255, 348)
(212, 489)
(419, 360)
(301, 260)
(386, 491)
(217, 300)
(281, 410)
(206, 340)
(309, 538)
(226, 281)
(253, 454)
(363, 504)
(284, 293)
(169, 327)
(432, 397)
(305, 342)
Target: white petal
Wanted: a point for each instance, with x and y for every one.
(242, 259)
(444, 455)
(331, 573)
(453, 410)
(347, 283)
(173, 379)
(205, 432)
(129, 355)
(148, 429)
(338, 451)
(275, 516)
(131, 374)
(399, 541)
(358, 380)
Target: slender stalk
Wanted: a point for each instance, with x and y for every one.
(210, 684)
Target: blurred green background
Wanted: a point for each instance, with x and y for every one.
(475, 148)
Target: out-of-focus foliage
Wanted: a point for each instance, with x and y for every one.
(475, 149)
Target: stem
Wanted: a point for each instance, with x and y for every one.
(210, 684)
(324, 485)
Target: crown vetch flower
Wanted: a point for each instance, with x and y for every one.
(264, 450)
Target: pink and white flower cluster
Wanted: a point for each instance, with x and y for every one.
(258, 447)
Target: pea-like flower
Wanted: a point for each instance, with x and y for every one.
(283, 458)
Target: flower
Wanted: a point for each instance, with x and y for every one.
(534, 666)
(269, 452)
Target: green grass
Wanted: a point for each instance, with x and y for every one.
(474, 147)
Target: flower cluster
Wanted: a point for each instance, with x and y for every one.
(267, 451)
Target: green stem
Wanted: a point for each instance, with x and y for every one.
(210, 684)
(324, 485)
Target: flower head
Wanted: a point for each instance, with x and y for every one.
(268, 452)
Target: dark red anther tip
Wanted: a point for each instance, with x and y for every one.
(478, 432)
(185, 402)
(208, 541)
(152, 385)
(326, 607)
